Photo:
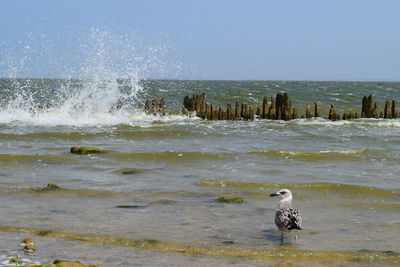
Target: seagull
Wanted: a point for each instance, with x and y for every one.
(287, 217)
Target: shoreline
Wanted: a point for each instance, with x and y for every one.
(168, 251)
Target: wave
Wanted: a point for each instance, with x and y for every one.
(320, 187)
(73, 135)
(9, 159)
(172, 156)
(76, 119)
(315, 156)
(362, 122)
(61, 192)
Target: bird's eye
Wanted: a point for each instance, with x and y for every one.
(283, 193)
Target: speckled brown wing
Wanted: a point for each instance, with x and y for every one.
(288, 218)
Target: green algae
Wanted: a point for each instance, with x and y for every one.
(48, 187)
(84, 150)
(52, 189)
(302, 257)
(230, 199)
(64, 263)
(52, 186)
(321, 187)
(172, 157)
(15, 260)
(28, 245)
(11, 159)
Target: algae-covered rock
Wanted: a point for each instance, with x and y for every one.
(230, 200)
(28, 244)
(84, 150)
(48, 187)
(15, 260)
(52, 186)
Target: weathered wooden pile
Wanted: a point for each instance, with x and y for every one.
(279, 108)
(154, 107)
(371, 111)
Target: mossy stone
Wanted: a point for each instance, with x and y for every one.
(52, 186)
(230, 200)
(84, 150)
(15, 260)
(28, 244)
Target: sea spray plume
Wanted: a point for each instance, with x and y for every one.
(109, 74)
(287, 217)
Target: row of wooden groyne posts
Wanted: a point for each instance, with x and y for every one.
(272, 108)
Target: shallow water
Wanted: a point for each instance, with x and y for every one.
(160, 176)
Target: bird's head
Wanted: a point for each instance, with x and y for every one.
(285, 194)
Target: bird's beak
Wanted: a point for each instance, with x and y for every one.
(274, 195)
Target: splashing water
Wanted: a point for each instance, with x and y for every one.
(108, 94)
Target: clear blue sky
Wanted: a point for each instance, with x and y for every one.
(207, 39)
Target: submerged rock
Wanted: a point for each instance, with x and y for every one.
(48, 187)
(128, 171)
(52, 186)
(84, 150)
(130, 206)
(28, 244)
(230, 200)
(15, 260)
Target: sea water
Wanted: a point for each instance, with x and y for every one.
(160, 175)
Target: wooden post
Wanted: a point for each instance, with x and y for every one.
(264, 114)
(162, 107)
(285, 107)
(272, 110)
(288, 112)
(245, 111)
(237, 110)
(251, 114)
(147, 106)
(332, 113)
(208, 111)
(184, 111)
(388, 110)
(366, 107)
(394, 110)
(308, 112)
(295, 114)
(259, 113)
(186, 102)
(375, 112)
(229, 112)
(155, 104)
(278, 106)
(317, 110)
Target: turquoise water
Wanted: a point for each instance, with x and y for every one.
(160, 176)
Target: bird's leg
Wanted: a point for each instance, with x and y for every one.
(282, 237)
(295, 232)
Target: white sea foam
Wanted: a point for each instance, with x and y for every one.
(378, 123)
(111, 70)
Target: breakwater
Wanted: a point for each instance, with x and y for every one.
(281, 108)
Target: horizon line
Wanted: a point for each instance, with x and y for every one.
(212, 79)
